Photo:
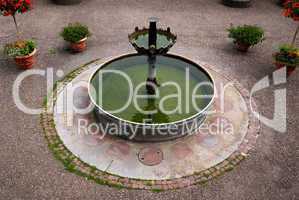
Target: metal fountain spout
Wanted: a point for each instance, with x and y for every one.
(151, 82)
(153, 47)
(152, 35)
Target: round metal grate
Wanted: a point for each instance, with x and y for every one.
(150, 156)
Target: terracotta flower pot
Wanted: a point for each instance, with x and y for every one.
(290, 69)
(242, 47)
(79, 46)
(26, 62)
(279, 65)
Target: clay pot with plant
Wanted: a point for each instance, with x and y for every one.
(76, 34)
(288, 56)
(23, 52)
(246, 36)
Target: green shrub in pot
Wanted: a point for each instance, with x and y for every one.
(23, 52)
(77, 35)
(246, 36)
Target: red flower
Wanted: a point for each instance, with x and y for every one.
(295, 5)
(291, 8)
(11, 7)
(287, 12)
(288, 4)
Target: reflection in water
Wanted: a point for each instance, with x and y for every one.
(155, 116)
(151, 82)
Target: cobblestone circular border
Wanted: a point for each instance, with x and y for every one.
(75, 165)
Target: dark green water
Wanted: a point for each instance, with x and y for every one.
(112, 92)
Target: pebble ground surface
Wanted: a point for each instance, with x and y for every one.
(28, 168)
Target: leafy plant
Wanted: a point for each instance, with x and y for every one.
(246, 34)
(288, 54)
(75, 32)
(20, 48)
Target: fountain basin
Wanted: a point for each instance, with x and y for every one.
(140, 40)
(172, 113)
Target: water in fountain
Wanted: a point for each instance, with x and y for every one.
(113, 92)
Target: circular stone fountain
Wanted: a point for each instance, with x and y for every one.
(116, 83)
(218, 143)
(114, 91)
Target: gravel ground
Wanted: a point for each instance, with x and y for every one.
(29, 170)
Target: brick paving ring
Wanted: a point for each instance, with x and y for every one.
(223, 141)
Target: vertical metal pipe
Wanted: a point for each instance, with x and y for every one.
(152, 37)
(151, 82)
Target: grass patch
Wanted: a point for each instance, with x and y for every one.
(148, 183)
(52, 51)
(156, 190)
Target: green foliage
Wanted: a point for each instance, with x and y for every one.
(52, 51)
(20, 48)
(157, 190)
(158, 117)
(288, 54)
(75, 32)
(286, 48)
(246, 34)
(148, 183)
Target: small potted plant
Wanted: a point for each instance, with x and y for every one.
(246, 36)
(288, 56)
(23, 52)
(76, 34)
